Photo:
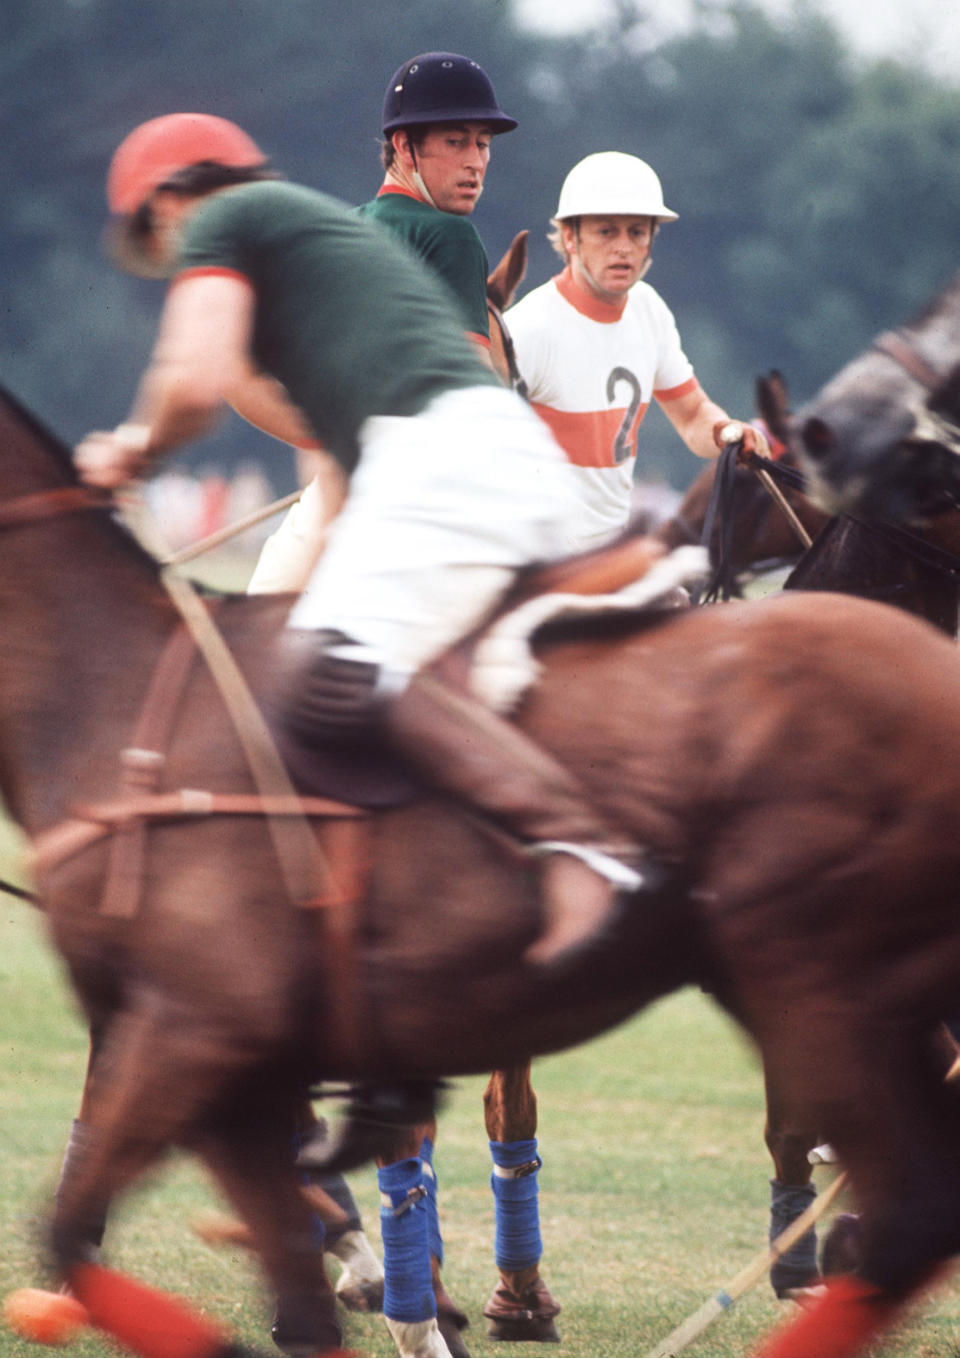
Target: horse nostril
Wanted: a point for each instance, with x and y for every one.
(817, 437)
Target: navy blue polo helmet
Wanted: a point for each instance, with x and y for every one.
(442, 87)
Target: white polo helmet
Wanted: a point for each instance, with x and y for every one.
(610, 183)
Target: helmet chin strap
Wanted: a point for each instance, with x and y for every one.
(418, 177)
(418, 180)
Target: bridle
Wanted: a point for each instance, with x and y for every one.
(929, 425)
(893, 344)
(509, 350)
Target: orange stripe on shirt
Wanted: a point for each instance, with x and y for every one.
(211, 271)
(674, 393)
(588, 437)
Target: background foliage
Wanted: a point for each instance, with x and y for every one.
(818, 196)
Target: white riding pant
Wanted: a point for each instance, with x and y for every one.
(444, 507)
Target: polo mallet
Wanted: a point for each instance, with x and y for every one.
(733, 432)
(231, 530)
(782, 503)
(735, 429)
(747, 1278)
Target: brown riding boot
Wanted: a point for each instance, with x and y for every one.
(464, 748)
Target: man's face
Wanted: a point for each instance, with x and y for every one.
(452, 159)
(607, 254)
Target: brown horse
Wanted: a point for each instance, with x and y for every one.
(805, 788)
(521, 1307)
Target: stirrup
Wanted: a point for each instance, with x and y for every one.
(600, 861)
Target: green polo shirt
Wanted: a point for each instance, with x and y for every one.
(345, 318)
(447, 243)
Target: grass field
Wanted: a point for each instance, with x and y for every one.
(653, 1193)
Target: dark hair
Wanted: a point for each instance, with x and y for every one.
(388, 152)
(206, 176)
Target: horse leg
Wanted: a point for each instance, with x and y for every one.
(78, 1142)
(897, 1128)
(248, 1152)
(842, 1251)
(520, 1307)
(790, 1139)
(421, 1317)
(360, 1284)
(156, 1078)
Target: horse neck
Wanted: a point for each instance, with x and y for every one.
(82, 614)
(762, 532)
(851, 557)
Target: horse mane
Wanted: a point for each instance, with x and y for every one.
(61, 455)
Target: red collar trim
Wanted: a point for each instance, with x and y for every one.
(398, 188)
(586, 302)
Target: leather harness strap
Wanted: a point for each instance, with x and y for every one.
(96, 821)
(127, 817)
(895, 346)
(50, 504)
(325, 865)
(513, 374)
(141, 769)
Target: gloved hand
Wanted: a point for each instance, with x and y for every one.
(752, 439)
(109, 459)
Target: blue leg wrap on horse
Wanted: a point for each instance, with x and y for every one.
(317, 1221)
(336, 1186)
(517, 1242)
(430, 1184)
(798, 1266)
(405, 1227)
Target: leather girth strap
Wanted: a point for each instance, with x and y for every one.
(141, 769)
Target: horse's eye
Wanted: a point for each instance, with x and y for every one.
(816, 435)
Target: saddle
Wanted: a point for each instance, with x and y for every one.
(631, 577)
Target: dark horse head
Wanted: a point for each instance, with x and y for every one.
(882, 438)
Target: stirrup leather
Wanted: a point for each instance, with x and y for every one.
(603, 863)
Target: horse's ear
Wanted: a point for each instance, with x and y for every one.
(773, 403)
(504, 280)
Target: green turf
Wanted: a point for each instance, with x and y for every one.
(653, 1192)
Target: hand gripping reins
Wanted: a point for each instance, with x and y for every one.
(720, 516)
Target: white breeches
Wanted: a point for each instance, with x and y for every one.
(443, 509)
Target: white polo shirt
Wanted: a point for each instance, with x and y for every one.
(591, 370)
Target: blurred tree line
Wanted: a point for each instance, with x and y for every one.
(819, 196)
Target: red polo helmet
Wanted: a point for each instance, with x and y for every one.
(159, 148)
